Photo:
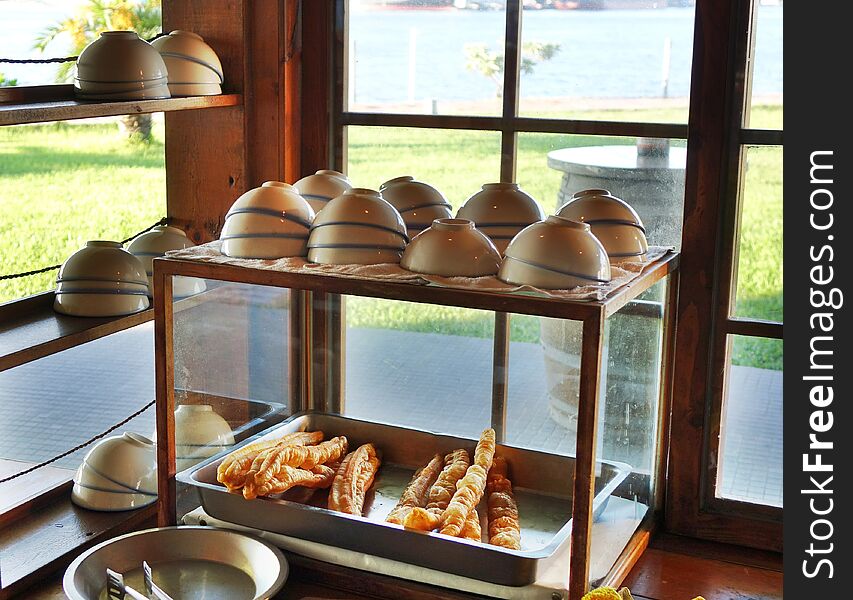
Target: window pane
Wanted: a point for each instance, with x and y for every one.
(65, 183)
(53, 404)
(457, 163)
(616, 64)
(424, 61)
(751, 425)
(759, 263)
(551, 167)
(765, 104)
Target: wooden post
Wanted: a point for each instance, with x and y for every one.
(584, 482)
(164, 368)
(500, 375)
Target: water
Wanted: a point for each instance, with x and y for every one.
(603, 54)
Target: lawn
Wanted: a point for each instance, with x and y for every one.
(63, 184)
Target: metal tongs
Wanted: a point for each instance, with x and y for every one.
(118, 590)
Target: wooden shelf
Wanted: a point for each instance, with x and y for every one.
(57, 103)
(30, 329)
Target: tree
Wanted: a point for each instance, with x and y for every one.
(93, 18)
(490, 63)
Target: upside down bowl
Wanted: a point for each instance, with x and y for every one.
(321, 187)
(501, 210)
(613, 221)
(452, 248)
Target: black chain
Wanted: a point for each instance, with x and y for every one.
(78, 446)
(65, 59)
(163, 221)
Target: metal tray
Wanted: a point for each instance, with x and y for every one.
(542, 484)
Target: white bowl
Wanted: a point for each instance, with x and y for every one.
(321, 187)
(88, 477)
(94, 499)
(270, 221)
(354, 256)
(126, 459)
(101, 279)
(194, 68)
(452, 248)
(200, 425)
(418, 203)
(501, 210)
(155, 243)
(556, 253)
(122, 59)
(356, 235)
(613, 221)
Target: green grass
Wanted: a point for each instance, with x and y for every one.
(64, 184)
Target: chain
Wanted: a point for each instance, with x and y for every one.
(78, 446)
(64, 59)
(163, 221)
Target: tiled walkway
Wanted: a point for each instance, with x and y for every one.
(431, 381)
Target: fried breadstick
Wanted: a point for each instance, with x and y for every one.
(470, 488)
(353, 479)
(320, 476)
(270, 462)
(426, 519)
(471, 530)
(416, 493)
(504, 528)
(232, 470)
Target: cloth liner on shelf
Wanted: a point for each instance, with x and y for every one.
(623, 272)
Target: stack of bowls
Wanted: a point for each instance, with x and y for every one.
(617, 226)
(118, 473)
(194, 69)
(318, 189)
(452, 248)
(418, 203)
(199, 433)
(501, 210)
(271, 221)
(357, 227)
(152, 244)
(120, 66)
(555, 254)
(102, 279)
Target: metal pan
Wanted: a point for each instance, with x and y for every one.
(542, 484)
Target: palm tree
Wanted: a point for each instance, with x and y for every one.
(93, 18)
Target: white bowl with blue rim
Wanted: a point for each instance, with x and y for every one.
(321, 187)
(613, 221)
(270, 221)
(102, 279)
(200, 432)
(556, 253)
(501, 210)
(418, 203)
(154, 244)
(193, 66)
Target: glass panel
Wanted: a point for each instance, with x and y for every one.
(751, 426)
(552, 167)
(425, 57)
(52, 404)
(419, 365)
(457, 163)
(764, 110)
(759, 250)
(628, 425)
(65, 183)
(618, 64)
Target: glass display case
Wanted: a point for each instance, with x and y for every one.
(576, 391)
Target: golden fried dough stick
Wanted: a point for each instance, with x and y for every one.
(470, 488)
(456, 464)
(504, 528)
(353, 479)
(268, 463)
(416, 493)
(471, 530)
(232, 470)
(320, 476)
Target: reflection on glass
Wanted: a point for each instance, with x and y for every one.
(764, 110)
(759, 249)
(614, 64)
(628, 422)
(62, 184)
(419, 365)
(456, 163)
(552, 167)
(750, 466)
(424, 57)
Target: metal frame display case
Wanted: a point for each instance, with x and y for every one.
(314, 367)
